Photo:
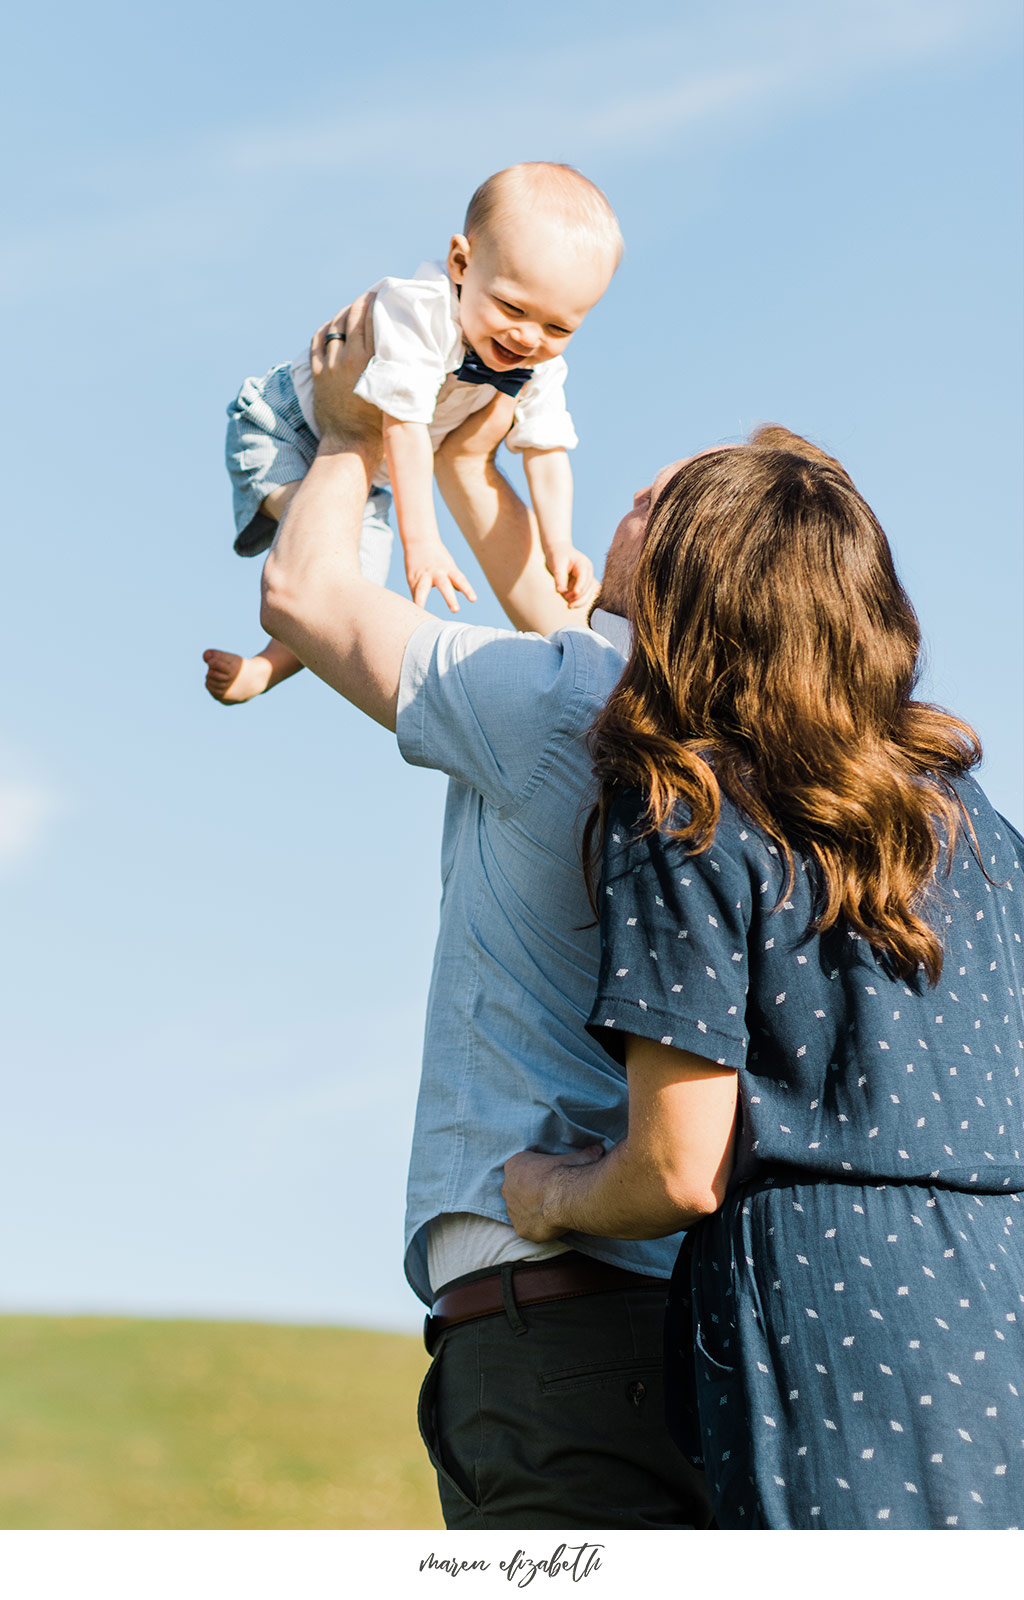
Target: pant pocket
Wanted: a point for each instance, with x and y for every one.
(602, 1375)
(457, 1501)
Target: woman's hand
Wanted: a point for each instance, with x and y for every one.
(532, 1186)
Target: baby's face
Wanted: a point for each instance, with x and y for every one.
(525, 291)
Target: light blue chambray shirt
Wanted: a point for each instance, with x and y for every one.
(507, 1064)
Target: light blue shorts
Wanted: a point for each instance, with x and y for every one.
(270, 444)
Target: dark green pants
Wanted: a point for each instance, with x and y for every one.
(551, 1416)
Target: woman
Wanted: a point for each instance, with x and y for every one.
(812, 969)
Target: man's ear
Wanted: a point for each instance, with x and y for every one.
(459, 252)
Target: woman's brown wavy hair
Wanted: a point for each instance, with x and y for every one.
(774, 658)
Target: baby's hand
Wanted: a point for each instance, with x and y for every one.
(431, 567)
(573, 573)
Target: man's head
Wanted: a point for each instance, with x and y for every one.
(759, 570)
(628, 538)
(539, 249)
(627, 541)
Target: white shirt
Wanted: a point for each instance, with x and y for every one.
(418, 345)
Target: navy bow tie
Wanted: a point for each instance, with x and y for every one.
(473, 370)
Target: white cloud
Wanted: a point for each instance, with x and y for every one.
(26, 808)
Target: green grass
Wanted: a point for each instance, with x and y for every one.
(111, 1422)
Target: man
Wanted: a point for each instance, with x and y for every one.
(543, 1406)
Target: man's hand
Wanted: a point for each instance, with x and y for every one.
(482, 431)
(338, 355)
(531, 1190)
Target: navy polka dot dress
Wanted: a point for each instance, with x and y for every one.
(846, 1338)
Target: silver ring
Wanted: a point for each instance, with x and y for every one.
(329, 336)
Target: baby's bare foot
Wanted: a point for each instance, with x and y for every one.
(234, 679)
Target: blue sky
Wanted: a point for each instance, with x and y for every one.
(220, 923)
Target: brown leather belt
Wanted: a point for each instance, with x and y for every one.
(563, 1277)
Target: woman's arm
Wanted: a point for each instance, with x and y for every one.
(671, 1169)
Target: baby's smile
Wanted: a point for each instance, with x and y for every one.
(502, 356)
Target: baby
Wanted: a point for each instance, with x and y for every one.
(539, 249)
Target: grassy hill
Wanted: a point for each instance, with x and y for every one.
(111, 1422)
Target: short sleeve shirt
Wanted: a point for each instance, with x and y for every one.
(507, 1062)
(844, 1069)
(418, 345)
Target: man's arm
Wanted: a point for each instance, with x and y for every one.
(500, 530)
(349, 631)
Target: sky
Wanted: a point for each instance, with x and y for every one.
(220, 923)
